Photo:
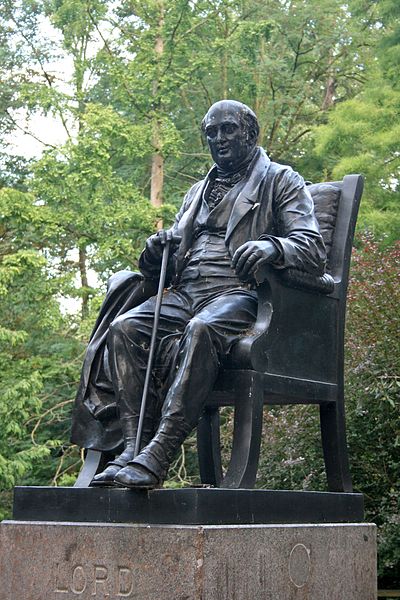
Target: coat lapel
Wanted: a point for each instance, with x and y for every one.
(249, 193)
(185, 226)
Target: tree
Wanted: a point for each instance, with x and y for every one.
(86, 175)
(76, 208)
(170, 62)
(141, 76)
(36, 345)
(362, 133)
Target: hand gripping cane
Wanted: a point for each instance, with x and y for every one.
(152, 350)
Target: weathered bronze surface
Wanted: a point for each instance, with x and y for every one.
(249, 215)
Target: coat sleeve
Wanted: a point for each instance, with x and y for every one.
(297, 238)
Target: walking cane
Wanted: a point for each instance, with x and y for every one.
(152, 350)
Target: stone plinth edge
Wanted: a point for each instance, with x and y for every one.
(66, 561)
(189, 506)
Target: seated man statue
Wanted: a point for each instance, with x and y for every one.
(248, 211)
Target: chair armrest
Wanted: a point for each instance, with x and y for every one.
(320, 284)
(294, 333)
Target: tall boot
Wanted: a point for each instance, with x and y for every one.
(129, 427)
(128, 355)
(196, 374)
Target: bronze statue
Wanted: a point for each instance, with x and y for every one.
(248, 211)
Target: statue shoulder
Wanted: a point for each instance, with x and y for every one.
(284, 176)
(191, 194)
(192, 191)
(187, 201)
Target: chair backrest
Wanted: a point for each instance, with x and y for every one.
(300, 326)
(336, 208)
(326, 197)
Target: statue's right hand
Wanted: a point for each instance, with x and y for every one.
(156, 242)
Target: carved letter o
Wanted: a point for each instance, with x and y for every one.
(79, 580)
(299, 565)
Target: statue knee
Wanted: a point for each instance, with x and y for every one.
(123, 327)
(197, 328)
(199, 333)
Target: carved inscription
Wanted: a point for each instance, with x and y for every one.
(79, 580)
(299, 565)
(94, 580)
(230, 582)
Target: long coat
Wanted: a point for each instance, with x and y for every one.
(271, 203)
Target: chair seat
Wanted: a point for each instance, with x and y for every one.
(278, 389)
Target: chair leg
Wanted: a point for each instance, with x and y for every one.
(242, 470)
(209, 448)
(333, 434)
(94, 462)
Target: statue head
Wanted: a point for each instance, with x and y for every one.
(231, 129)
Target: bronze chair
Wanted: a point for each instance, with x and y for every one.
(294, 355)
(299, 316)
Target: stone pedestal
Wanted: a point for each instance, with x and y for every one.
(70, 561)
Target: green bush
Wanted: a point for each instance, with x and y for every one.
(373, 385)
(292, 455)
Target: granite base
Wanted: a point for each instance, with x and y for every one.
(70, 561)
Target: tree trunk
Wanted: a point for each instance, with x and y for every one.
(84, 281)
(157, 161)
(329, 93)
(157, 178)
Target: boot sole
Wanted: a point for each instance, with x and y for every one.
(102, 484)
(138, 487)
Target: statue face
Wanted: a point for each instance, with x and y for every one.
(228, 138)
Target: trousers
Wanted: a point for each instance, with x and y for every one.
(203, 321)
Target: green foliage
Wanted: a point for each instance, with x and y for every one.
(362, 137)
(22, 282)
(373, 386)
(87, 199)
(362, 133)
(40, 352)
(322, 77)
(292, 455)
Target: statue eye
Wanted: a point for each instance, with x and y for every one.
(229, 128)
(211, 132)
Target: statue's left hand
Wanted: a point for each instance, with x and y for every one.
(252, 255)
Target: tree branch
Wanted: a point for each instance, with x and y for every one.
(26, 132)
(296, 139)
